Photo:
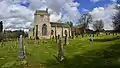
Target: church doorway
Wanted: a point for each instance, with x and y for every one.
(44, 30)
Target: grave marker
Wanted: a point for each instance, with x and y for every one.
(60, 51)
(21, 52)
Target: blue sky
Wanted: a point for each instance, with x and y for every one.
(89, 5)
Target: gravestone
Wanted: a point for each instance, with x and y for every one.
(113, 34)
(106, 34)
(93, 35)
(21, 51)
(44, 38)
(52, 38)
(97, 34)
(60, 51)
(58, 38)
(66, 40)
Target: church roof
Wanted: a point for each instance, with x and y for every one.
(54, 24)
(41, 12)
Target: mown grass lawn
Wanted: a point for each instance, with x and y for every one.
(103, 52)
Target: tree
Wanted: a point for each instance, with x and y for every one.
(70, 24)
(85, 19)
(98, 25)
(116, 18)
(1, 26)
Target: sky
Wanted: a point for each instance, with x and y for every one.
(19, 14)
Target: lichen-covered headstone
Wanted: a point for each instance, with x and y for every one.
(21, 51)
(60, 51)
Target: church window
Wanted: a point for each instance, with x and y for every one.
(44, 30)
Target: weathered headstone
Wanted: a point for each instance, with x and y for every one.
(58, 38)
(97, 34)
(60, 51)
(52, 38)
(24, 51)
(44, 38)
(66, 40)
(21, 52)
(106, 33)
(113, 33)
(93, 35)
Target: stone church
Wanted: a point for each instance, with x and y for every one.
(44, 28)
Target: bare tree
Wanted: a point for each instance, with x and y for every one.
(98, 25)
(116, 17)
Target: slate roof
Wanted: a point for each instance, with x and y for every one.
(54, 24)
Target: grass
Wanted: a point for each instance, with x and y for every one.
(103, 52)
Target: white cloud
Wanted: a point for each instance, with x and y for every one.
(105, 14)
(114, 0)
(85, 10)
(15, 16)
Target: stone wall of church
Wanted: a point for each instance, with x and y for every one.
(40, 20)
(61, 31)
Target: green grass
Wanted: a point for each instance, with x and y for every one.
(80, 53)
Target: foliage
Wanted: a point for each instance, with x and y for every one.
(98, 25)
(85, 19)
(70, 24)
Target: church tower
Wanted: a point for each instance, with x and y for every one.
(42, 27)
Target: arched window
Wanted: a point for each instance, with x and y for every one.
(44, 30)
(52, 32)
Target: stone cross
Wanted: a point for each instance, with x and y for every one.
(60, 51)
(21, 51)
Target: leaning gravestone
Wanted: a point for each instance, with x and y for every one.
(60, 51)
(21, 52)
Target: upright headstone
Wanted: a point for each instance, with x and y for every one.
(97, 34)
(93, 34)
(24, 51)
(60, 51)
(58, 38)
(66, 40)
(113, 33)
(21, 51)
